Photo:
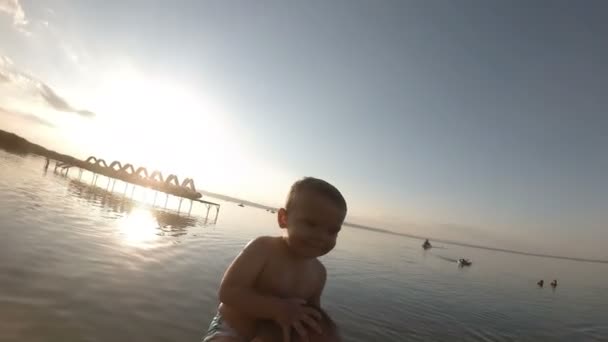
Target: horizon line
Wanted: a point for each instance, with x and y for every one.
(364, 227)
(470, 245)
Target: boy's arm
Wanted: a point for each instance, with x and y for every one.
(316, 298)
(237, 287)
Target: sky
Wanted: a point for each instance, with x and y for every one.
(472, 120)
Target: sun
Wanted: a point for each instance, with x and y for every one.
(163, 124)
(171, 126)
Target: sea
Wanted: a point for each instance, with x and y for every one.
(90, 259)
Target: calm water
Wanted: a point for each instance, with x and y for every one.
(77, 264)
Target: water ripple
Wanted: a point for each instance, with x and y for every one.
(77, 262)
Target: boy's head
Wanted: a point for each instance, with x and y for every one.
(269, 331)
(313, 216)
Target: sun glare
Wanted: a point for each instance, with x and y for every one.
(138, 229)
(161, 124)
(164, 125)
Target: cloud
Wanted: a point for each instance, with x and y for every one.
(5, 61)
(86, 113)
(58, 103)
(27, 116)
(9, 74)
(14, 9)
(53, 99)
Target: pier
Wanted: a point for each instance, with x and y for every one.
(130, 175)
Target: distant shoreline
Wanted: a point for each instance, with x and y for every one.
(464, 244)
(13, 143)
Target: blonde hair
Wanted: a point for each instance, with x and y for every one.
(318, 185)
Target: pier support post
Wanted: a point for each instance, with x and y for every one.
(132, 178)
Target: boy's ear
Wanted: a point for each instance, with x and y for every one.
(282, 218)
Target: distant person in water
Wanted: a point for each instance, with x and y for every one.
(541, 283)
(426, 244)
(268, 331)
(274, 278)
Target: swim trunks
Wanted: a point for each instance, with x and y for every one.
(220, 328)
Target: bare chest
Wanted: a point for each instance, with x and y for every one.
(290, 280)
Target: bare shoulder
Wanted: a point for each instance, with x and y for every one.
(260, 241)
(265, 241)
(263, 244)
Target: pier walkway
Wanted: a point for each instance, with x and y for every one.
(128, 174)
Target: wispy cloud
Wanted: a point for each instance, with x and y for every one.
(13, 8)
(27, 116)
(58, 102)
(9, 74)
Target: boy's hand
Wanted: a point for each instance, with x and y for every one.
(293, 313)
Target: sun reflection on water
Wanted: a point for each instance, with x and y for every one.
(139, 228)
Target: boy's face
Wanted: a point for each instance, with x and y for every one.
(313, 223)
